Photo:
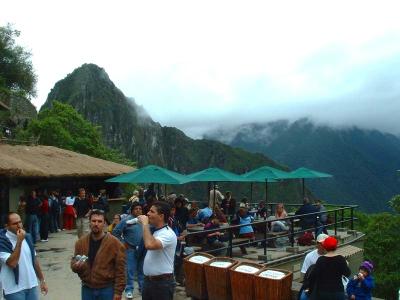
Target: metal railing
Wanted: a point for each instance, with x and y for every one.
(340, 216)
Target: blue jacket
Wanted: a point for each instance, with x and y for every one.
(130, 234)
(362, 289)
(6, 246)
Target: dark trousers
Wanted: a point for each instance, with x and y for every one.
(158, 290)
(54, 222)
(44, 226)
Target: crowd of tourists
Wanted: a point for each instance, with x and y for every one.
(143, 243)
(52, 211)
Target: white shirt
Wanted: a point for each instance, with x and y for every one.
(27, 276)
(161, 261)
(70, 200)
(311, 258)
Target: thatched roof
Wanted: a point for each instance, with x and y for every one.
(47, 161)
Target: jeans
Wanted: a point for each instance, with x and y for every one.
(29, 294)
(158, 290)
(106, 293)
(133, 265)
(32, 226)
(54, 222)
(303, 295)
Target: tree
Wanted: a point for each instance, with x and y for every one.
(395, 203)
(16, 69)
(381, 247)
(62, 126)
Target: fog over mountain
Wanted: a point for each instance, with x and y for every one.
(201, 65)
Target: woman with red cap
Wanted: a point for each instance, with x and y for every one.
(326, 278)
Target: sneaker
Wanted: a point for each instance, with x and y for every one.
(129, 295)
(46, 240)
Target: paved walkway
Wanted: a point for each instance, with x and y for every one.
(54, 257)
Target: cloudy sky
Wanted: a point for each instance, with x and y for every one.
(199, 64)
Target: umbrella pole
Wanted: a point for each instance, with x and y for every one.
(208, 192)
(165, 191)
(304, 190)
(214, 196)
(251, 192)
(266, 195)
(158, 190)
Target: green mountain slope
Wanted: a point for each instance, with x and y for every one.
(128, 128)
(363, 162)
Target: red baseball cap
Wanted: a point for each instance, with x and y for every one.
(330, 243)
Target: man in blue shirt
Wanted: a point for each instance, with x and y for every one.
(131, 234)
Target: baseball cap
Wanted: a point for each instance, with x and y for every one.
(321, 237)
(330, 243)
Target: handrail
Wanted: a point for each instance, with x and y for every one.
(290, 234)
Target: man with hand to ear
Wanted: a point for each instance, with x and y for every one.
(160, 242)
(20, 269)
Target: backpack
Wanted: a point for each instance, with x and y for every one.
(306, 239)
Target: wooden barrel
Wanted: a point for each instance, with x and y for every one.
(218, 280)
(195, 281)
(275, 286)
(242, 280)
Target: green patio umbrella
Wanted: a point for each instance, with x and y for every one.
(216, 175)
(151, 174)
(304, 173)
(265, 174)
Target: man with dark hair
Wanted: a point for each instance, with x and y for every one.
(307, 222)
(20, 268)
(160, 242)
(103, 273)
(82, 208)
(32, 210)
(131, 234)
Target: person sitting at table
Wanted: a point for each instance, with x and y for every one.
(280, 213)
(307, 222)
(262, 211)
(215, 239)
(244, 202)
(204, 214)
(193, 204)
(245, 231)
(193, 221)
(220, 215)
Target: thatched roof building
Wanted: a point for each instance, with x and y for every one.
(23, 168)
(48, 161)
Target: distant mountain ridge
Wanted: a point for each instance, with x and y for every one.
(127, 127)
(363, 162)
